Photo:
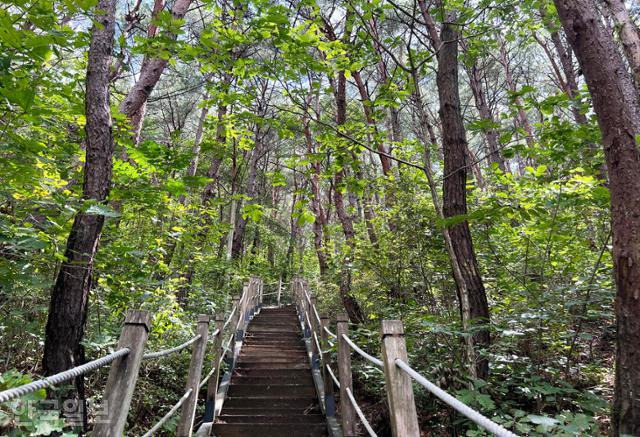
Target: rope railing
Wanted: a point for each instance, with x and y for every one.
(123, 374)
(398, 382)
(61, 377)
(333, 375)
(454, 403)
(169, 414)
(362, 353)
(361, 415)
(331, 334)
(165, 352)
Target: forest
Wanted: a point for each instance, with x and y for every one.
(469, 167)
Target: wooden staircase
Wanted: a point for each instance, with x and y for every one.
(271, 393)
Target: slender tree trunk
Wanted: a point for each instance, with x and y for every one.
(521, 118)
(367, 108)
(616, 104)
(491, 134)
(241, 222)
(350, 303)
(454, 202)
(68, 307)
(316, 205)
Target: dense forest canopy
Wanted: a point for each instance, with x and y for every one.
(467, 167)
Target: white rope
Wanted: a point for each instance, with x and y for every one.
(165, 352)
(229, 319)
(315, 313)
(167, 416)
(330, 333)
(364, 420)
(362, 353)
(315, 338)
(216, 332)
(333, 376)
(454, 403)
(204, 381)
(52, 380)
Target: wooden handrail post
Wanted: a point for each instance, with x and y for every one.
(402, 407)
(123, 374)
(187, 415)
(329, 399)
(212, 385)
(347, 411)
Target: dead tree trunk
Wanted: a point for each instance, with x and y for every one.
(616, 104)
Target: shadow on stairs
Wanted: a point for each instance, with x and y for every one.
(271, 393)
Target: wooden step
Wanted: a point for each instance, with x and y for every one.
(272, 390)
(300, 404)
(250, 416)
(269, 429)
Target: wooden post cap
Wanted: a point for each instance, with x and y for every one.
(203, 318)
(134, 317)
(391, 327)
(342, 317)
(219, 317)
(324, 316)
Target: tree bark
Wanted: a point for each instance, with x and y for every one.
(135, 102)
(454, 202)
(616, 104)
(629, 36)
(68, 305)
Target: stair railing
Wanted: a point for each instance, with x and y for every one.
(394, 364)
(127, 359)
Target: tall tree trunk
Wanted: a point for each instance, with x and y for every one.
(316, 204)
(454, 202)
(616, 104)
(68, 307)
(135, 102)
(241, 222)
(629, 36)
(491, 134)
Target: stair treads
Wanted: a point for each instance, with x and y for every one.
(271, 392)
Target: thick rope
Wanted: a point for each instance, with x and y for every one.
(362, 353)
(363, 419)
(204, 381)
(58, 378)
(167, 416)
(315, 313)
(329, 332)
(165, 352)
(229, 319)
(333, 376)
(454, 403)
(315, 338)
